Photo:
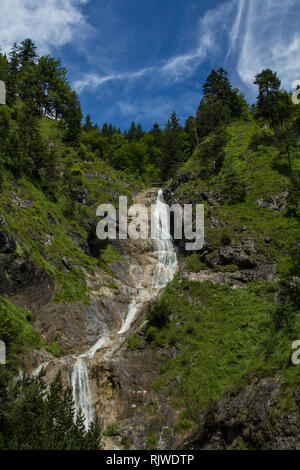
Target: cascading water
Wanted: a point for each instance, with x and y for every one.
(163, 273)
(166, 265)
(167, 259)
(81, 390)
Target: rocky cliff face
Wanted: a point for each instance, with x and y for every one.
(220, 305)
(250, 419)
(121, 380)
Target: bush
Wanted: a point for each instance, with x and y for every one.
(134, 342)
(158, 314)
(111, 430)
(151, 333)
(233, 188)
(263, 138)
(194, 264)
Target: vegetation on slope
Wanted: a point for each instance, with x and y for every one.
(241, 162)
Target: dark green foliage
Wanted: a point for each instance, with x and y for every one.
(27, 52)
(293, 196)
(34, 418)
(211, 152)
(72, 115)
(16, 331)
(262, 138)
(36, 86)
(13, 75)
(287, 142)
(175, 147)
(159, 313)
(273, 104)
(233, 188)
(289, 293)
(220, 104)
(88, 125)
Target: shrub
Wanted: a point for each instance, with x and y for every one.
(111, 430)
(158, 314)
(233, 188)
(194, 264)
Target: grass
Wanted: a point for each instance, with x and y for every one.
(18, 334)
(16, 331)
(262, 177)
(221, 337)
(111, 430)
(194, 264)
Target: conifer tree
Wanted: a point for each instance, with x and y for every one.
(27, 52)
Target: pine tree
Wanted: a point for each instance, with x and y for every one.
(92, 438)
(13, 73)
(131, 134)
(4, 67)
(72, 115)
(218, 87)
(27, 52)
(233, 187)
(88, 125)
(270, 98)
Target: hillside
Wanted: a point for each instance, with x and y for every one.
(205, 362)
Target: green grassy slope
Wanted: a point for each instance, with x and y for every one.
(222, 336)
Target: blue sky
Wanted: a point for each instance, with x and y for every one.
(141, 59)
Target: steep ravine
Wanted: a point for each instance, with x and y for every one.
(89, 373)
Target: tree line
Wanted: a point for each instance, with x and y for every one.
(38, 86)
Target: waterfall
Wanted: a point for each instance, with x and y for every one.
(163, 273)
(167, 259)
(166, 262)
(81, 390)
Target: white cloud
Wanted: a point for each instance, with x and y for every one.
(47, 22)
(179, 67)
(235, 30)
(92, 80)
(269, 37)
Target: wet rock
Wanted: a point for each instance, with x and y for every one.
(35, 358)
(78, 326)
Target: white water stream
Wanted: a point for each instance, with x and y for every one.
(163, 273)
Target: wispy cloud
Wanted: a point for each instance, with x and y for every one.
(93, 81)
(268, 37)
(47, 22)
(178, 67)
(235, 30)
